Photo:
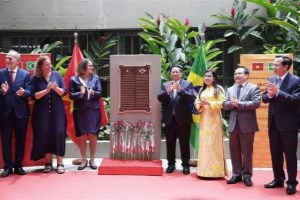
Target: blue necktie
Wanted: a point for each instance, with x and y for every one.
(239, 91)
(279, 81)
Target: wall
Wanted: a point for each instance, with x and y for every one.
(102, 14)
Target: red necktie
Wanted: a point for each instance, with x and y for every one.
(11, 75)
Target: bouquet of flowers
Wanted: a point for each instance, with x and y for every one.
(132, 140)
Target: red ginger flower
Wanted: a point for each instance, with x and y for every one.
(158, 21)
(187, 22)
(232, 11)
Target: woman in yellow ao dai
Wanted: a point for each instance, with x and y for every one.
(209, 102)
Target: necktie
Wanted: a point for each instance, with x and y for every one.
(279, 81)
(174, 93)
(11, 76)
(239, 91)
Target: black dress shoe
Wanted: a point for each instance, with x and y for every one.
(291, 189)
(19, 171)
(274, 184)
(170, 169)
(247, 182)
(234, 180)
(94, 167)
(6, 172)
(186, 170)
(84, 166)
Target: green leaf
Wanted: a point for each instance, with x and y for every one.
(250, 30)
(148, 15)
(224, 26)
(213, 64)
(149, 28)
(270, 9)
(262, 19)
(230, 32)
(223, 17)
(284, 25)
(44, 49)
(192, 34)
(61, 62)
(90, 56)
(53, 46)
(213, 55)
(172, 43)
(233, 49)
(148, 21)
(258, 35)
(288, 9)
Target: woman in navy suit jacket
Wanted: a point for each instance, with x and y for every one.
(85, 90)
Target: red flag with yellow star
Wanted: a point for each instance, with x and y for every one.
(71, 71)
(257, 66)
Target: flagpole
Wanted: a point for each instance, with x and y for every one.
(202, 33)
(75, 37)
(201, 30)
(78, 160)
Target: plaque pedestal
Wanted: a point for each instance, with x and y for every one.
(130, 167)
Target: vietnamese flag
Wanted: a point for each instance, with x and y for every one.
(257, 66)
(71, 71)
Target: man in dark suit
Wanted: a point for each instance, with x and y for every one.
(283, 95)
(15, 89)
(242, 99)
(175, 96)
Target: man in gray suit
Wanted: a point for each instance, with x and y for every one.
(242, 99)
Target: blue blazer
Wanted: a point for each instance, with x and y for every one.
(82, 102)
(11, 99)
(283, 107)
(180, 104)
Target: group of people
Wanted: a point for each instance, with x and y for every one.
(282, 92)
(46, 87)
(242, 99)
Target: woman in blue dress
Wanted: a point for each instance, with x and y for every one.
(85, 90)
(48, 116)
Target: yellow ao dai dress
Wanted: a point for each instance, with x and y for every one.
(211, 156)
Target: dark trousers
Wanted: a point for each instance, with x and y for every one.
(283, 143)
(241, 152)
(12, 125)
(174, 131)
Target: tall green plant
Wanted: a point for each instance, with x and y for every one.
(235, 22)
(99, 49)
(175, 42)
(284, 19)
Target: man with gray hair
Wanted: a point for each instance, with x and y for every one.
(14, 93)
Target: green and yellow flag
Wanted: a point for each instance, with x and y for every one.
(196, 78)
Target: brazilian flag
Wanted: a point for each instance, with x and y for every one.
(196, 77)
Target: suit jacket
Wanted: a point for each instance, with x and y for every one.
(11, 99)
(179, 104)
(245, 113)
(283, 107)
(82, 102)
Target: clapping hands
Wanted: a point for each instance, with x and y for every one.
(51, 85)
(4, 87)
(272, 89)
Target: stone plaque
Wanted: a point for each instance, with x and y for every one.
(134, 88)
